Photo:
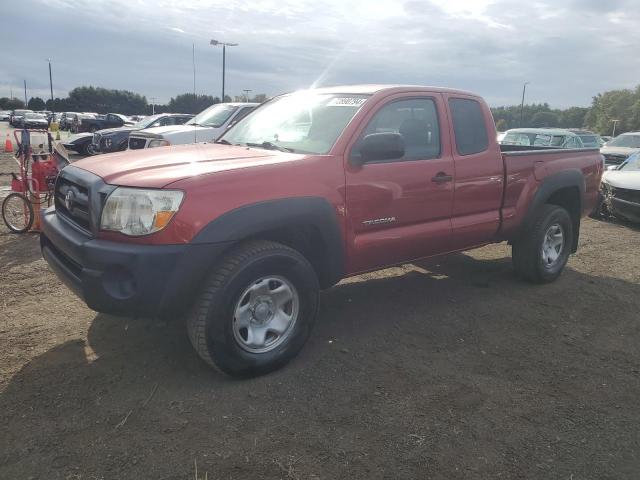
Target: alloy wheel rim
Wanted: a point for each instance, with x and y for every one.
(265, 314)
(552, 245)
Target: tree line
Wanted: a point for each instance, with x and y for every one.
(103, 100)
(620, 105)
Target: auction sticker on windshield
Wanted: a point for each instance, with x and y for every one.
(346, 101)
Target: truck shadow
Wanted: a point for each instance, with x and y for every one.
(430, 340)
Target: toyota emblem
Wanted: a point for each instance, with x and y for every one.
(68, 199)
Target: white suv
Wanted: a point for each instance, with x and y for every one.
(207, 126)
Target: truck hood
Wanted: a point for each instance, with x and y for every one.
(158, 167)
(622, 179)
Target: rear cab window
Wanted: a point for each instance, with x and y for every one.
(469, 126)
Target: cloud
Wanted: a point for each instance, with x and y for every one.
(568, 49)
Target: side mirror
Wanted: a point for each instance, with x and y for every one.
(381, 146)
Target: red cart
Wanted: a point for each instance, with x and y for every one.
(32, 187)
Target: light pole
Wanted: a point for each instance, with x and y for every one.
(615, 122)
(25, 95)
(524, 89)
(246, 93)
(53, 108)
(153, 105)
(224, 54)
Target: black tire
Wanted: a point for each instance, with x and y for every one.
(527, 252)
(9, 206)
(89, 150)
(210, 323)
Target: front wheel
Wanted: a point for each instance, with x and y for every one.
(17, 213)
(542, 252)
(90, 149)
(256, 310)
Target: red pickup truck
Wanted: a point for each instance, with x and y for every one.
(239, 236)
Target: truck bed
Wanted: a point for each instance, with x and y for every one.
(526, 168)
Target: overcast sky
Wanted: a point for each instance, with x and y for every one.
(568, 49)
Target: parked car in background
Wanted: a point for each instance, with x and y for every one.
(66, 120)
(100, 122)
(137, 118)
(4, 115)
(207, 126)
(621, 190)
(240, 235)
(617, 150)
(16, 117)
(81, 143)
(34, 120)
(542, 137)
(116, 139)
(589, 139)
(604, 139)
(79, 118)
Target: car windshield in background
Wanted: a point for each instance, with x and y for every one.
(301, 122)
(214, 116)
(632, 164)
(628, 141)
(146, 122)
(589, 140)
(527, 139)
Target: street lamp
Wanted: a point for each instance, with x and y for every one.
(246, 93)
(615, 122)
(216, 43)
(524, 89)
(53, 109)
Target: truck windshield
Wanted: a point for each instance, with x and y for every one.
(629, 141)
(303, 122)
(214, 116)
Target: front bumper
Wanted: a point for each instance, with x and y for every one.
(625, 209)
(121, 278)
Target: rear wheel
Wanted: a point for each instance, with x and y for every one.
(256, 310)
(17, 213)
(542, 252)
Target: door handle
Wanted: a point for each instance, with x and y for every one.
(441, 177)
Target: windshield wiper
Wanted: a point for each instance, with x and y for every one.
(270, 146)
(223, 142)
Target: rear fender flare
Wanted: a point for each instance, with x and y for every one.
(549, 186)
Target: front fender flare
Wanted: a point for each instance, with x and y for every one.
(251, 220)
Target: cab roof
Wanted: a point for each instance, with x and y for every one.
(370, 89)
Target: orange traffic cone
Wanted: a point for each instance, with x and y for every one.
(8, 146)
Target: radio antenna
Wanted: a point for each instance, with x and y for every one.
(193, 58)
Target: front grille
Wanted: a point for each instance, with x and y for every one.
(72, 202)
(626, 194)
(614, 159)
(137, 143)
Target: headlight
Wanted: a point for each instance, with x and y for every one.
(134, 211)
(159, 143)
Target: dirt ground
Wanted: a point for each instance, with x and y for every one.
(444, 371)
